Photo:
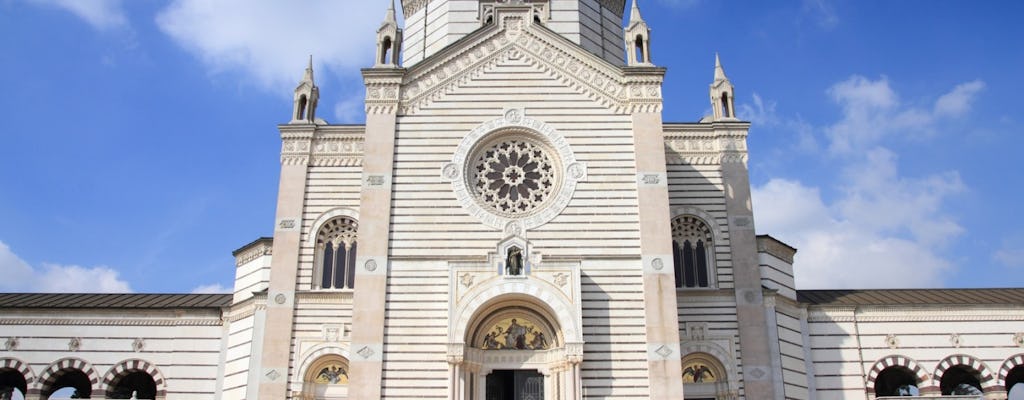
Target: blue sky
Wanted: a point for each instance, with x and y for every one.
(140, 144)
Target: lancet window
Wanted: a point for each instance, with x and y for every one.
(336, 248)
(692, 252)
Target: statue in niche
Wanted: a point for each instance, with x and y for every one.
(514, 261)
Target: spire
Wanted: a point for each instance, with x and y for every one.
(308, 76)
(307, 94)
(719, 71)
(389, 17)
(634, 14)
(389, 40)
(722, 93)
(638, 36)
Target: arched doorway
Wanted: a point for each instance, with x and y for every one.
(326, 379)
(960, 380)
(514, 349)
(68, 383)
(137, 384)
(12, 384)
(896, 381)
(1015, 383)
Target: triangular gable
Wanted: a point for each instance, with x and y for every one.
(466, 59)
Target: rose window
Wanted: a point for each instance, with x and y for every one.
(513, 176)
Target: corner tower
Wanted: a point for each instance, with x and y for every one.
(431, 25)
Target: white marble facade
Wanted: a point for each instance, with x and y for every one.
(514, 216)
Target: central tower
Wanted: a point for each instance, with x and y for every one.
(431, 25)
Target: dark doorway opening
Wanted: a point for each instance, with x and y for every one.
(508, 384)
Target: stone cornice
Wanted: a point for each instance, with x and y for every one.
(937, 313)
(113, 322)
(257, 249)
(775, 247)
(410, 7)
(706, 143)
(383, 87)
(322, 146)
(637, 89)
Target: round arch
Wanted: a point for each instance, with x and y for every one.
(541, 294)
(327, 216)
(306, 361)
(985, 377)
(1008, 365)
(707, 218)
(126, 367)
(54, 371)
(920, 374)
(17, 368)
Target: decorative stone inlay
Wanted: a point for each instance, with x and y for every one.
(891, 341)
(757, 373)
(657, 264)
(11, 344)
(467, 280)
(513, 177)
(74, 344)
(514, 169)
(280, 298)
(370, 265)
(561, 279)
(1018, 339)
(138, 345)
(955, 340)
(273, 375)
(365, 352)
(663, 351)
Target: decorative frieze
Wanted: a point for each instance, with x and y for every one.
(701, 144)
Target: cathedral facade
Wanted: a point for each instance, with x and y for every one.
(515, 220)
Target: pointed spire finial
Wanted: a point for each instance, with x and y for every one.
(634, 14)
(308, 76)
(719, 71)
(390, 16)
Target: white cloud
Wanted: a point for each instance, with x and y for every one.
(101, 14)
(350, 110)
(838, 250)
(212, 288)
(270, 41)
(19, 276)
(822, 12)
(958, 102)
(762, 114)
(873, 111)
(881, 229)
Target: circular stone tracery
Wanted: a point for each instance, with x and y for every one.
(513, 176)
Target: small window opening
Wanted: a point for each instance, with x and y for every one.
(12, 384)
(725, 105)
(896, 381)
(300, 114)
(385, 52)
(135, 384)
(70, 383)
(960, 381)
(639, 47)
(691, 253)
(336, 254)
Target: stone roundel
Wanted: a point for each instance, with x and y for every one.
(514, 169)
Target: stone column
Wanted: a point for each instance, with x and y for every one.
(660, 311)
(758, 378)
(372, 264)
(276, 348)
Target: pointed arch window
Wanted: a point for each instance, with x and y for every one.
(692, 253)
(336, 249)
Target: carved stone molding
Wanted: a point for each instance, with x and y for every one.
(636, 91)
(112, 322)
(410, 7)
(254, 252)
(383, 89)
(701, 146)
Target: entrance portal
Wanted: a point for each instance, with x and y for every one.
(507, 384)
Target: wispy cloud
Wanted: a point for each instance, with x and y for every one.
(1011, 253)
(881, 228)
(215, 288)
(822, 13)
(269, 42)
(101, 14)
(19, 276)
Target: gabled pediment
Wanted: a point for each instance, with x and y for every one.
(514, 37)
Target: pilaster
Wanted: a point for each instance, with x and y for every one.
(372, 263)
(662, 322)
(276, 347)
(759, 379)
